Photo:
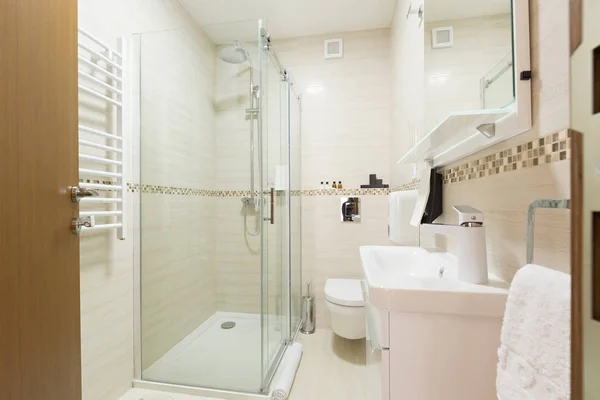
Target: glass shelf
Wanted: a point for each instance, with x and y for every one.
(453, 132)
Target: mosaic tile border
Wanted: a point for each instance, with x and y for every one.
(157, 189)
(347, 192)
(412, 185)
(545, 150)
(96, 181)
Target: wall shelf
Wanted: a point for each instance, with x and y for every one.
(458, 129)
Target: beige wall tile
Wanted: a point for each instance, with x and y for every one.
(408, 66)
(346, 106)
(237, 257)
(330, 248)
(106, 314)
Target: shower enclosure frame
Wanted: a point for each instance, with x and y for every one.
(293, 326)
(285, 78)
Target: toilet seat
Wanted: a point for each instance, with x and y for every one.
(344, 292)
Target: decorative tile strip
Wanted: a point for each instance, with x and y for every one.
(546, 150)
(347, 192)
(157, 189)
(97, 181)
(412, 185)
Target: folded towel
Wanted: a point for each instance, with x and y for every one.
(534, 354)
(287, 372)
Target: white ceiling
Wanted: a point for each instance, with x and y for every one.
(292, 18)
(438, 10)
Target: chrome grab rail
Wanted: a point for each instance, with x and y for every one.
(561, 204)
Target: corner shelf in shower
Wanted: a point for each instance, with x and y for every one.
(457, 134)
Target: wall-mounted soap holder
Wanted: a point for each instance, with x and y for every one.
(350, 209)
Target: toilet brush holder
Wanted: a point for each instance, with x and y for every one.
(308, 313)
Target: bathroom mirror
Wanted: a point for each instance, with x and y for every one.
(476, 78)
(469, 58)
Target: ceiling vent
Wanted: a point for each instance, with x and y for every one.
(334, 48)
(442, 38)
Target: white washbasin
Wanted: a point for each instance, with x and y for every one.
(407, 279)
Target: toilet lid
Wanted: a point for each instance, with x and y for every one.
(344, 292)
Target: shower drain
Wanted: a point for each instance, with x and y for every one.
(227, 325)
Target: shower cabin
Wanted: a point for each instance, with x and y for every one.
(219, 239)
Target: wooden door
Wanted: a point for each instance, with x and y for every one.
(39, 257)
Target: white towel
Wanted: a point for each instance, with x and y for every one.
(287, 372)
(534, 354)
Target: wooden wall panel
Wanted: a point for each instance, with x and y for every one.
(576, 265)
(10, 349)
(575, 24)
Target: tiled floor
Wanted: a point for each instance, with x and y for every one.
(332, 368)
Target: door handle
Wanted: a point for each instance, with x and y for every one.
(271, 216)
(272, 206)
(78, 223)
(78, 193)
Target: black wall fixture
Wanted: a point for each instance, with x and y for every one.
(374, 183)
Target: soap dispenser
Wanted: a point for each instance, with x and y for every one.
(339, 186)
(333, 185)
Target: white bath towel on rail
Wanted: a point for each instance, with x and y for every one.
(534, 354)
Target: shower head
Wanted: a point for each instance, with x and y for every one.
(234, 54)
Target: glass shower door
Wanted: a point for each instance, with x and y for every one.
(274, 194)
(295, 207)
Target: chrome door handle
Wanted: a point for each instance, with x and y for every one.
(78, 223)
(271, 216)
(78, 193)
(272, 206)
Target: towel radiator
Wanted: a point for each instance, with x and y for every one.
(103, 133)
(564, 204)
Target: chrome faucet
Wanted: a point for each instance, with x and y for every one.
(441, 273)
(472, 253)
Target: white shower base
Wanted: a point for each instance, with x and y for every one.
(213, 357)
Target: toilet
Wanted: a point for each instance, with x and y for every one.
(343, 297)
(346, 306)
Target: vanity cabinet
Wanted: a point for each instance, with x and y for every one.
(378, 351)
(430, 355)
